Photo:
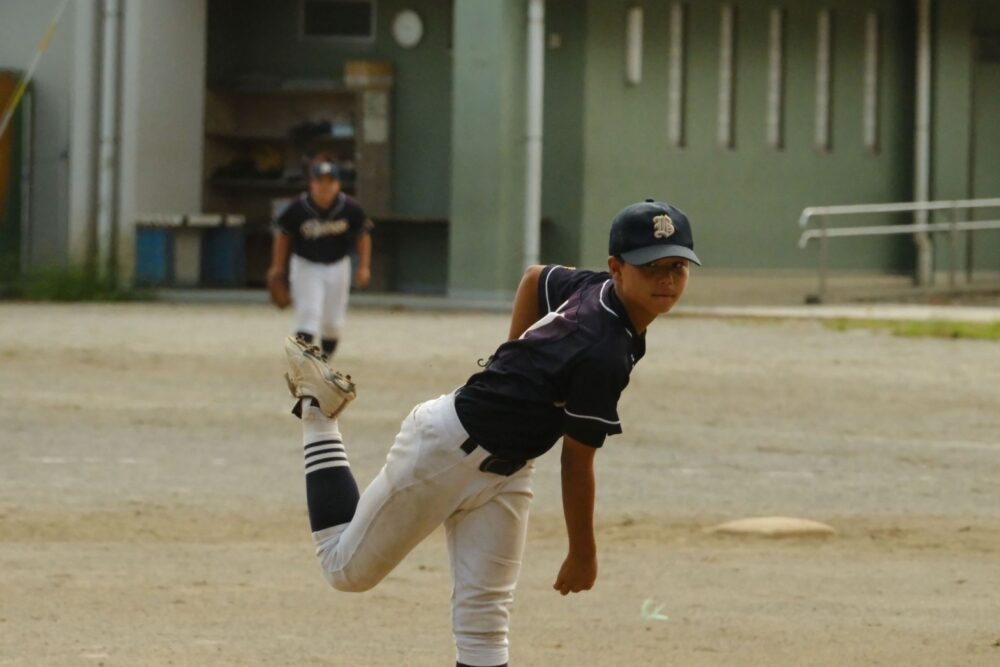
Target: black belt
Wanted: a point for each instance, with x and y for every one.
(494, 464)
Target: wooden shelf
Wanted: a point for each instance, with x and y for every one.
(323, 138)
(255, 184)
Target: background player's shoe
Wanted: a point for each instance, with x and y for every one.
(308, 375)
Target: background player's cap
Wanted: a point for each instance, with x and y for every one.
(321, 169)
(650, 230)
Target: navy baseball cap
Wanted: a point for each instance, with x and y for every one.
(650, 230)
(321, 169)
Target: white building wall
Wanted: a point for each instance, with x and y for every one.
(163, 91)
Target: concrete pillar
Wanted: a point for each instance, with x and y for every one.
(162, 115)
(488, 148)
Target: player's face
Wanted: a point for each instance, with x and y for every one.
(651, 289)
(324, 189)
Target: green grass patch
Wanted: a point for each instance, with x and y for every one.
(64, 285)
(922, 329)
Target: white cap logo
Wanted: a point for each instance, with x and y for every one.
(663, 227)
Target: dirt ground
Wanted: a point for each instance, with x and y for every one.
(152, 506)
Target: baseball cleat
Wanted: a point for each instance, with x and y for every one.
(309, 376)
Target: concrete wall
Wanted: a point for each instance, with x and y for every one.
(488, 156)
(562, 160)
(22, 25)
(163, 90)
(745, 201)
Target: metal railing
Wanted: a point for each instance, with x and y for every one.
(953, 226)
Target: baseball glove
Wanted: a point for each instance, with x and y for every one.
(277, 286)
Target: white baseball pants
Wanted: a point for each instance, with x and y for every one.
(428, 480)
(320, 293)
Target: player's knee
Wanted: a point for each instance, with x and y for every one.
(340, 581)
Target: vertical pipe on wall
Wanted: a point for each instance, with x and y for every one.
(81, 239)
(535, 101)
(108, 166)
(922, 148)
(633, 46)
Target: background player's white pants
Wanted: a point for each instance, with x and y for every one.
(320, 293)
(428, 480)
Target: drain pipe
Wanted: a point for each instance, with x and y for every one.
(922, 171)
(533, 170)
(108, 166)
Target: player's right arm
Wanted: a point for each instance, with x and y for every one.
(525, 312)
(579, 570)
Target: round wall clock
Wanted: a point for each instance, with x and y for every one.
(408, 28)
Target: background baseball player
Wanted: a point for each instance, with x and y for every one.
(319, 230)
(466, 459)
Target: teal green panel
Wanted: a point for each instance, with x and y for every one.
(745, 201)
(987, 14)
(986, 159)
(260, 39)
(952, 108)
(487, 204)
(562, 170)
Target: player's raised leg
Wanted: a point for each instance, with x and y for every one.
(427, 476)
(331, 492)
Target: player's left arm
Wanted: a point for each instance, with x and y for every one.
(363, 274)
(579, 484)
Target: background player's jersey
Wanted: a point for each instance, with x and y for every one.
(563, 376)
(323, 236)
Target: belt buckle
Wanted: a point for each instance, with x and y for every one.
(499, 466)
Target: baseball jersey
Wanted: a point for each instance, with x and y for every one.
(323, 236)
(563, 376)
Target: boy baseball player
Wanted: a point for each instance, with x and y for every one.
(465, 459)
(319, 230)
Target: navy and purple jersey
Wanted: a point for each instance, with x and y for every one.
(323, 235)
(563, 376)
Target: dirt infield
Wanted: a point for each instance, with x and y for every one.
(152, 511)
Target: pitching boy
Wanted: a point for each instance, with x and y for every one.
(465, 459)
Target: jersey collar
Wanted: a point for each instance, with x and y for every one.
(612, 304)
(335, 206)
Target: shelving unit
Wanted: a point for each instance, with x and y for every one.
(257, 141)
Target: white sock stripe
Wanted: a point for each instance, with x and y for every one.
(328, 464)
(334, 455)
(326, 448)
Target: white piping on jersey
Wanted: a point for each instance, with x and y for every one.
(604, 421)
(548, 301)
(600, 298)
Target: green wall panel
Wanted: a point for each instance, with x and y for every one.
(487, 206)
(562, 161)
(745, 201)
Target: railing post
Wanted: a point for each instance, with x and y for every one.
(969, 252)
(953, 247)
(823, 257)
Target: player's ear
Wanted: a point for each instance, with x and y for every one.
(615, 266)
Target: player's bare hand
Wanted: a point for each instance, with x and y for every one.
(576, 574)
(362, 277)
